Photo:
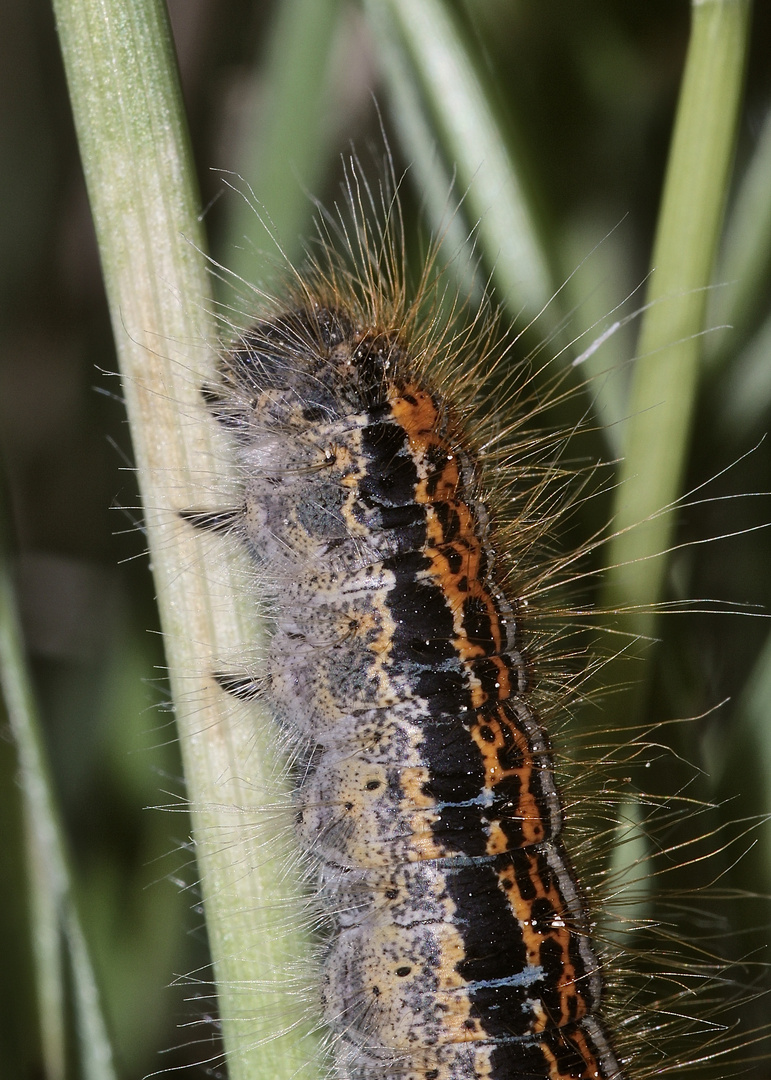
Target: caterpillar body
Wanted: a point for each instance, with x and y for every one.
(458, 942)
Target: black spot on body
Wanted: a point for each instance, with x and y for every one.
(541, 915)
(376, 358)
(510, 756)
(478, 624)
(512, 829)
(391, 475)
(550, 959)
(403, 517)
(459, 829)
(551, 1053)
(525, 886)
(445, 689)
(436, 462)
(449, 520)
(506, 797)
(489, 676)
(424, 629)
(454, 560)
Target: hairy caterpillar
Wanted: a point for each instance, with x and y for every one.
(404, 673)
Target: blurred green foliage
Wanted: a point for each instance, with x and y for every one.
(584, 95)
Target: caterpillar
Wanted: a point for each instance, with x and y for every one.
(402, 671)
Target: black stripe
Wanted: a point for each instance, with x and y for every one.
(392, 474)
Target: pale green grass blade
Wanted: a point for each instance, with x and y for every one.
(745, 386)
(666, 373)
(429, 173)
(24, 1042)
(95, 1049)
(288, 141)
(46, 944)
(754, 713)
(50, 879)
(470, 136)
(744, 270)
(123, 86)
(751, 738)
(595, 282)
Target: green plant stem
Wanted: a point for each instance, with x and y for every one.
(743, 270)
(287, 144)
(430, 173)
(53, 904)
(666, 373)
(487, 175)
(125, 96)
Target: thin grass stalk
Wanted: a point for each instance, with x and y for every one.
(474, 143)
(54, 908)
(288, 140)
(666, 374)
(745, 264)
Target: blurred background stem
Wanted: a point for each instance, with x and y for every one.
(665, 380)
(54, 915)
